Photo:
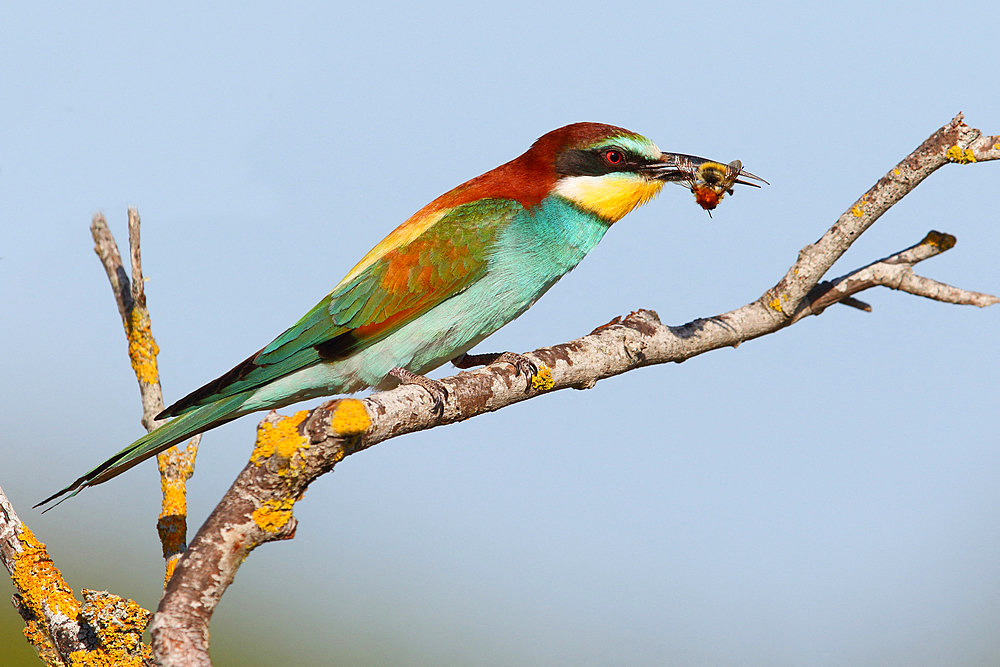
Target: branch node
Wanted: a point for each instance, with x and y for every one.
(939, 240)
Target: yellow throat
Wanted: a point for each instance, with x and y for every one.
(610, 196)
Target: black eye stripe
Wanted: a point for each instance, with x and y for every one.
(596, 162)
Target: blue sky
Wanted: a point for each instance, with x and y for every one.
(825, 495)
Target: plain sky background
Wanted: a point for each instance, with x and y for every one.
(827, 495)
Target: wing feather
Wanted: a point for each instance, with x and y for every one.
(402, 283)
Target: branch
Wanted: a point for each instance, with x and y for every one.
(291, 452)
(105, 629)
(43, 600)
(176, 466)
(954, 142)
(895, 272)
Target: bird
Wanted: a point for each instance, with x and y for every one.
(461, 267)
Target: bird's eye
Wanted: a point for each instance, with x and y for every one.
(613, 156)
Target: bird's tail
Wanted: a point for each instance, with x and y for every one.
(174, 431)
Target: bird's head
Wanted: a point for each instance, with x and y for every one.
(609, 170)
(603, 169)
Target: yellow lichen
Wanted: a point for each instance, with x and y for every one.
(39, 581)
(142, 347)
(38, 636)
(897, 171)
(273, 514)
(279, 438)
(350, 417)
(176, 467)
(543, 379)
(857, 211)
(101, 658)
(174, 496)
(171, 566)
(960, 156)
(119, 624)
(775, 304)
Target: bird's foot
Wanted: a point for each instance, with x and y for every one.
(437, 390)
(520, 363)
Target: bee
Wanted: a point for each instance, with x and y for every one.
(710, 181)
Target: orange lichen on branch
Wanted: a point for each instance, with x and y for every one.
(350, 417)
(100, 658)
(41, 589)
(960, 156)
(273, 515)
(172, 529)
(543, 379)
(176, 467)
(39, 582)
(279, 437)
(171, 563)
(279, 447)
(118, 624)
(142, 347)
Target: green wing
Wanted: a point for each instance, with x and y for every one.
(404, 282)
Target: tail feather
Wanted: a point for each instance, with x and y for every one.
(174, 431)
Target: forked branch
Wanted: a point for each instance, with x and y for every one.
(176, 465)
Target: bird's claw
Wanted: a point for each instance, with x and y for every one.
(437, 390)
(520, 363)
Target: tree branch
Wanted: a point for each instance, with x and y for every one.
(175, 465)
(105, 629)
(895, 272)
(43, 600)
(291, 452)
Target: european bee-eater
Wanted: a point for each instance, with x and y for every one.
(457, 270)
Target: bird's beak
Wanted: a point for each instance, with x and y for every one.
(690, 169)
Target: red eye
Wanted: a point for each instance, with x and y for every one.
(613, 156)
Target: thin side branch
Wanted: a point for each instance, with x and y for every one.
(293, 451)
(896, 272)
(176, 465)
(130, 297)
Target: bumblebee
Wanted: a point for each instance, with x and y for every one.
(710, 181)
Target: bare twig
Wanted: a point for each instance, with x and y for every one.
(896, 272)
(292, 451)
(130, 297)
(176, 466)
